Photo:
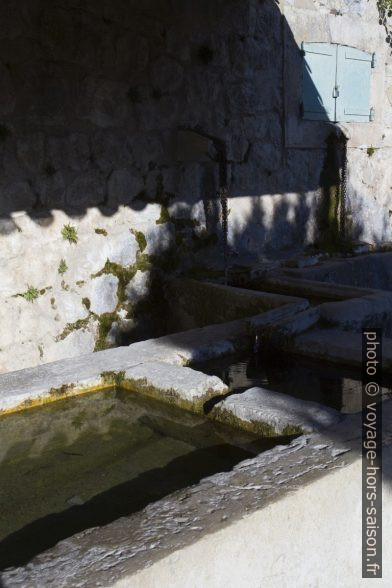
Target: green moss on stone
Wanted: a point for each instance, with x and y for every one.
(164, 217)
(86, 302)
(144, 262)
(167, 396)
(332, 215)
(105, 322)
(102, 232)
(166, 262)
(259, 428)
(31, 294)
(62, 267)
(62, 390)
(113, 378)
(69, 233)
(141, 239)
(123, 274)
(70, 327)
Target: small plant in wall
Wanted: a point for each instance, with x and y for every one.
(30, 295)
(69, 233)
(62, 267)
(385, 6)
(385, 13)
(370, 151)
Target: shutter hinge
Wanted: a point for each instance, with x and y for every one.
(374, 61)
(335, 92)
(372, 113)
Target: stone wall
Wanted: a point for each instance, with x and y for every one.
(119, 121)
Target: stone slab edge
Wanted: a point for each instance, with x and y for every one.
(338, 347)
(55, 380)
(273, 414)
(301, 286)
(182, 518)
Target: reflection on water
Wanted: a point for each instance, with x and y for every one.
(86, 461)
(335, 386)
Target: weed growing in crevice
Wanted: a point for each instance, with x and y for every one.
(31, 294)
(69, 233)
(62, 267)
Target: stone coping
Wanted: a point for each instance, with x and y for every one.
(302, 286)
(103, 556)
(51, 381)
(114, 553)
(339, 347)
(270, 413)
(331, 331)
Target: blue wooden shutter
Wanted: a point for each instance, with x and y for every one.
(319, 79)
(353, 84)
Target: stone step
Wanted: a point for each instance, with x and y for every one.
(273, 414)
(340, 347)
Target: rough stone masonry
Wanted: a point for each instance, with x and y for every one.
(118, 122)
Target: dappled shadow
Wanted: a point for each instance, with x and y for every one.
(144, 112)
(98, 95)
(119, 501)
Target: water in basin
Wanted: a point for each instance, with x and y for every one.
(336, 386)
(88, 460)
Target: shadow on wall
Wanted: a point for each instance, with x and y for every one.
(93, 100)
(94, 96)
